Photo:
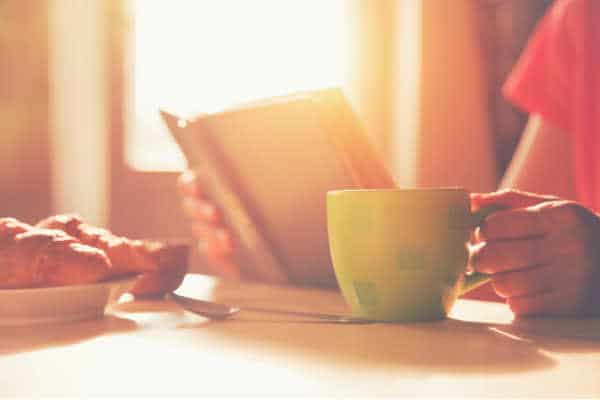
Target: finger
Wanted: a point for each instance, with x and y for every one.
(525, 282)
(567, 247)
(507, 198)
(227, 269)
(217, 241)
(224, 240)
(499, 256)
(220, 264)
(212, 261)
(552, 303)
(201, 210)
(202, 230)
(512, 224)
(187, 184)
(551, 217)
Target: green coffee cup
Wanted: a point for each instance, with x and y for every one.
(401, 255)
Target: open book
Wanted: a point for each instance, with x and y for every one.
(268, 165)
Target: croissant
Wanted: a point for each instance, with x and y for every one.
(162, 266)
(35, 257)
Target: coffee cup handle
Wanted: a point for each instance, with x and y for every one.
(476, 279)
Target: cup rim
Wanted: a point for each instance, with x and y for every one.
(401, 190)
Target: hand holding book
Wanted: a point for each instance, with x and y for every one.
(214, 239)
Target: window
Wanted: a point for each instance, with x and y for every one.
(193, 56)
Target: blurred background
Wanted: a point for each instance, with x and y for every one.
(81, 82)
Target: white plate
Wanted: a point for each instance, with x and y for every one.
(59, 304)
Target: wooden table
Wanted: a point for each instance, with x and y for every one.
(154, 348)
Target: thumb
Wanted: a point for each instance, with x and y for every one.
(508, 198)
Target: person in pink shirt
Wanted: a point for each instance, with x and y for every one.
(557, 82)
(542, 251)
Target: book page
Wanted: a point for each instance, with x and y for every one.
(283, 163)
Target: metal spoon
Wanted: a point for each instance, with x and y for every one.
(218, 311)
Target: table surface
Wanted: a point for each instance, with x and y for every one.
(154, 348)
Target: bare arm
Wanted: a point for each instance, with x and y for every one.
(543, 161)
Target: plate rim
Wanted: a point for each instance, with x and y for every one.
(129, 279)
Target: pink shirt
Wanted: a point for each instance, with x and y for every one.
(558, 77)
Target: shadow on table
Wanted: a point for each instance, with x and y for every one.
(448, 345)
(557, 335)
(24, 339)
